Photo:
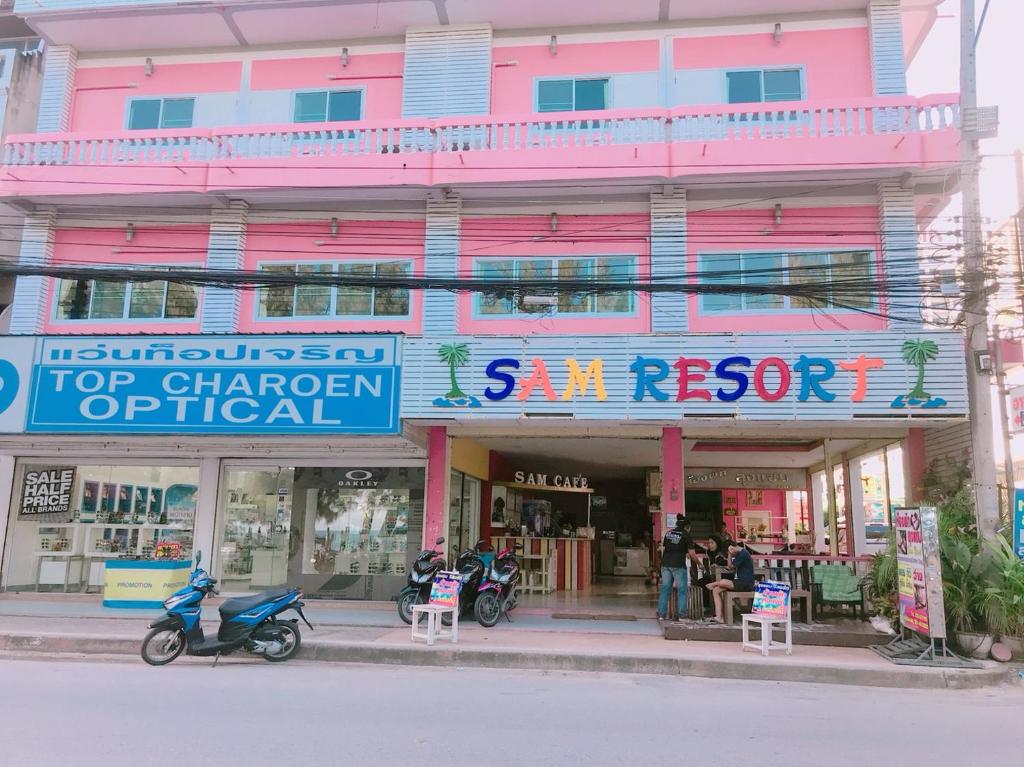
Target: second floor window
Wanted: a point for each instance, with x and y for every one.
(307, 301)
(328, 106)
(151, 114)
(840, 280)
(749, 86)
(109, 300)
(572, 95)
(512, 301)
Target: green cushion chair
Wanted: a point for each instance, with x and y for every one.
(837, 585)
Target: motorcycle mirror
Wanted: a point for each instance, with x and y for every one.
(519, 547)
(199, 558)
(439, 541)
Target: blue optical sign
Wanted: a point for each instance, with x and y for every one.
(217, 385)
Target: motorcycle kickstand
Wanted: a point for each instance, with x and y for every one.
(217, 658)
(505, 613)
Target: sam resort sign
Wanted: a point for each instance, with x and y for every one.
(763, 376)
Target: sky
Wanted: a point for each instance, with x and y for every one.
(936, 70)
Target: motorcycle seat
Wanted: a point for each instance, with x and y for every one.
(239, 605)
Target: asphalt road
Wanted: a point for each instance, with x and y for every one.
(117, 713)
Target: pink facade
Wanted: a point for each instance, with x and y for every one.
(801, 230)
(379, 75)
(151, 246)
(576, 236)
(102, 93)
(517, 67)
(313, 243)
(837, 62)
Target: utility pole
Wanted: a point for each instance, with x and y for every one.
(979, 385)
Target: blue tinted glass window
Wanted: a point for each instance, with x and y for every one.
(744, 87)
(345, 105)
(144, 114)
(782, 85)
(555, 96)
(591, 94)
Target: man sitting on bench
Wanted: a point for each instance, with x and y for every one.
(742, 579)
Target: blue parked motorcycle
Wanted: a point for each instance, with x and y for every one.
(246, 623)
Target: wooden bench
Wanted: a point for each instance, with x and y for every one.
(729, 597)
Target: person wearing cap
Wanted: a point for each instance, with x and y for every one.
(677, 547)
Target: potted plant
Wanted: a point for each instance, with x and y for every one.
(882, 586)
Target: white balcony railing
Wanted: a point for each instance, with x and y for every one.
(741, 123)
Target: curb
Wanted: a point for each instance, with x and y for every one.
(419, 655)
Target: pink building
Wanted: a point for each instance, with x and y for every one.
(636, 259)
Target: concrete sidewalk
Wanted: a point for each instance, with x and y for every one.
(346, 634)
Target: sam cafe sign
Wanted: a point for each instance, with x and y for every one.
(564, 481)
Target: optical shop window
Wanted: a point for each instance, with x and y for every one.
(70, 520)
(336, 531)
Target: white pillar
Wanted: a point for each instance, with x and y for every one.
(225, 252)
(7, 463)
(204, 536)
(58, 89)
(855, 514)
(28, 313)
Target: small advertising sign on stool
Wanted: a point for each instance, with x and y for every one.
(771, 608)
(444, 598)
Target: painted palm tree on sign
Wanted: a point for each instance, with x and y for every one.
(454, 356)
(919, 353)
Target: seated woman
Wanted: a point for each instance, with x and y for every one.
(742, 580)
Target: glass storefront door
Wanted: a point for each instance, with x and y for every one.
(464, 513)
(339, 532)
(256, 528)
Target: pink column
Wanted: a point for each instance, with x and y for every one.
(673, 483)
(436, 496)
(916, 465)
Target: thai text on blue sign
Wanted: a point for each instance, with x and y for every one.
(230, 384)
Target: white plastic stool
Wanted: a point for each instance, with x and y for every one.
(767, 625)
(435, 628)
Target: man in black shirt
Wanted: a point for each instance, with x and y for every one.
(742, 580)
(677, 546)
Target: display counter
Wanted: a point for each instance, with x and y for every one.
(143, 583)
(573, 569)
(631, 560)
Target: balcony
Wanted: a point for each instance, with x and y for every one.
(877, 137)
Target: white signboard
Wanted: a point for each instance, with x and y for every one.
(16, 356)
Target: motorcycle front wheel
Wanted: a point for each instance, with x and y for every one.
(487, 609)
(162, 645)
(405, 605)
(289, 639)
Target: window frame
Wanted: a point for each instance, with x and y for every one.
(609, 92)
(784, 255)
(332, 310)
(800, 68)
(162, 100)
(360, 89)
(553, 311)
(126, 301)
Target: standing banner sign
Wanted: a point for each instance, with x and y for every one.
(1018, 522)
(445, 589)
(47, 491)
(771, 599)
(1016, 410)
(920, 571)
